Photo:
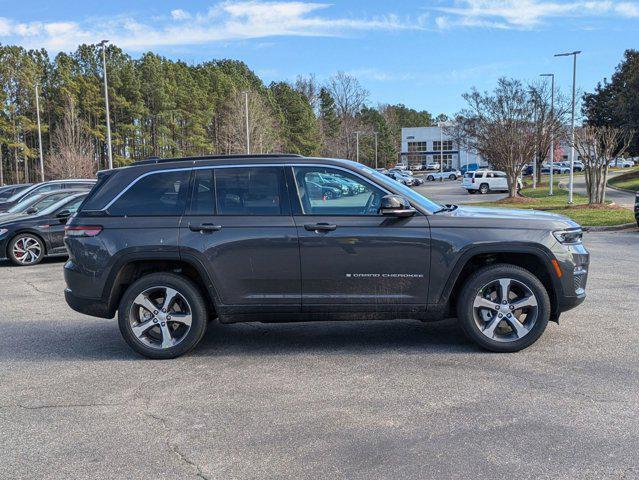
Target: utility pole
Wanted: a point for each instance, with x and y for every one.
(106, 103)
(39, 133)
(376, 133)
(357, 146)
(246, 115)
(552, 122)
(441, 151)
(572, 121)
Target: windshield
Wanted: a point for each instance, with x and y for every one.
(408, 192)
(21, 193)
(24, 204)
(70, 203)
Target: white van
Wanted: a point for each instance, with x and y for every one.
(485, 181)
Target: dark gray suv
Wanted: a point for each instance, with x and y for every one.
(170, 244)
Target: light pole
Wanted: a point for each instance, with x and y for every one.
(441, 151)
(246, 116)
(39, 133)
(552, 124)
(572, 120)
(376, 133)
(106, 102)
(357, 146)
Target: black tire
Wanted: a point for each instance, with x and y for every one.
(452, 177)
(188, 290)
(472, 192)
(430, 178)
(484, 188)
(465, 309)
(26, 237)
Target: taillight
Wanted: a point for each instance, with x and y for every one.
(82, 231)
(473, 180)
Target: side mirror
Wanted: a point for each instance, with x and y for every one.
(63, 215)
(31, 210)
(396, 206)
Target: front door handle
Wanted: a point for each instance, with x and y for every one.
(320, 227)
(205, 227)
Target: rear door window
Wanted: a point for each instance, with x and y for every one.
(251, 191)
(157, 194)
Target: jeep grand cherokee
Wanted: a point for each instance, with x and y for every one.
(169, 244)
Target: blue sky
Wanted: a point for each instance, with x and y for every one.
(424, 54)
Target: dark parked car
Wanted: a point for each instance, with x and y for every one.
(45, 187)
(171, 243)
(38, 202)
(26, 239)
(7, 191)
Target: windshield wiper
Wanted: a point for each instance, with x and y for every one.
(446, 208)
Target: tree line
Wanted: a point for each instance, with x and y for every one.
(166, 108)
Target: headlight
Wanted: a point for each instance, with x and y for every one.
(569, 237)
(3, 231)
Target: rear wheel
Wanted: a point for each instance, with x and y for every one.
(162, 315)
(503, 308)
(26, 249)
(452, 177)
(483, 189)
(430, 178)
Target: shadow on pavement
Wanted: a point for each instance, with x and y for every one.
(100, 340)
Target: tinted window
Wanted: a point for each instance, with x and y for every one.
(203, 197)
(47, 188)
(157, 194)
(500, 175)
(79, 185)
(251, 191)
(327, 191)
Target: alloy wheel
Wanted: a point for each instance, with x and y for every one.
(27, 250)
(505, 310)
(160, 317)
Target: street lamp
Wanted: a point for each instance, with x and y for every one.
(106, 102)
(357, 146)
(376, 133)
(572, 119)
(552, 120)
(246, 117)
(39, 133)
(441, 151)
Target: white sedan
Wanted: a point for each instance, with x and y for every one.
(452, 175)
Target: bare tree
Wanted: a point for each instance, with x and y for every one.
(310, 88)
(597, 146)
(550, 122)
(72, 151)
(350, 97)
(500, 126)
(262, 125)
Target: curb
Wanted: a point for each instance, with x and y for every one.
(610, 228)
(619, 189)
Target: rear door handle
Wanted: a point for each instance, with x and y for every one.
(320, 227)
(205, 227)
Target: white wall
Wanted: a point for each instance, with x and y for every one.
(431, 134)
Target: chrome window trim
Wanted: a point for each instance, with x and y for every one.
(251, 165)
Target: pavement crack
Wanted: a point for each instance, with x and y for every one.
(175, 450)
(62, 405)
(39, 290)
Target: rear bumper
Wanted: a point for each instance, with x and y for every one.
(95, 307)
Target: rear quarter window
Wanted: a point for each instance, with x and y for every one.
(157, 194)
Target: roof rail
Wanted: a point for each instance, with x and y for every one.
(151, 160)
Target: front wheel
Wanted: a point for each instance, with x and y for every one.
(430, 178)
(452, 177)
(503, 308)
(162, 315)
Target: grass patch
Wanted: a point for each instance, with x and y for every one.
(580, 211)
(628, 181)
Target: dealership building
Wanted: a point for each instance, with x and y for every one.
(423, 145)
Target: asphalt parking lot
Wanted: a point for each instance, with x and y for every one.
(450, 191)
(349, 400)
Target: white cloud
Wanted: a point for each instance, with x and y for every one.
(228, 20)
(526, 14)
(179, 14)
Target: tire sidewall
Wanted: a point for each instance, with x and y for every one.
(15, 240)
(481, 278)
(186, 288)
